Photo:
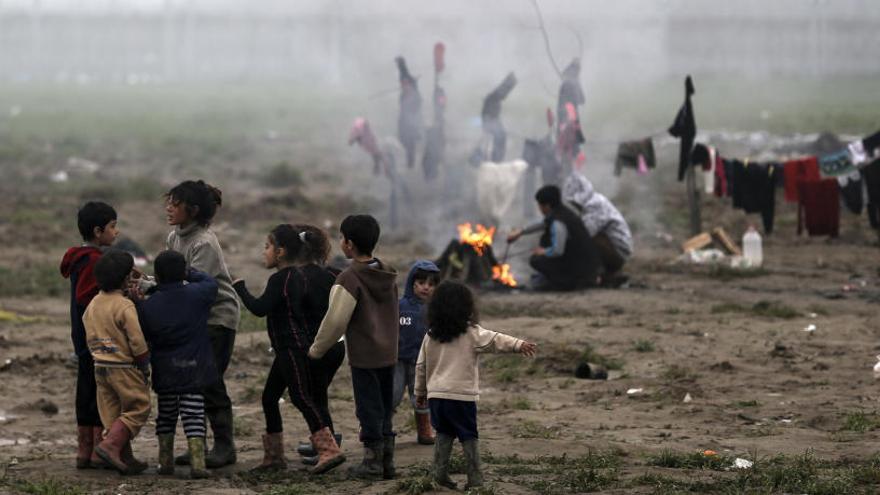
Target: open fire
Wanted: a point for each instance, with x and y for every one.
(470, 258)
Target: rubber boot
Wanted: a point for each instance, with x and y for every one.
(96, 462)
(306, 449)
(223, 452)
(85, 444)
(472, 461)
(388, 471)
(110, 449)
(425, 434)
(442, 451)
(329, 455)
(273, 453)
(166, 453)
(197, 469)
(134, 466)
(371, 466)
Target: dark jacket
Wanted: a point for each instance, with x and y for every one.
(409, 123)
(413, 326)
(78, 265)
(492, 102)
(294, 303)
(685, 128)
(580, 254)
(174, 320)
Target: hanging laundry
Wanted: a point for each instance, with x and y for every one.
(709, 173)
(871, 175)
(819, 207)
(643, 165)
(837, 163)
(800, 169)
(871, 145)
(721, 188)
(628, 153)
(754, 190)
(685, 128)
(857, 152)
(851, 191)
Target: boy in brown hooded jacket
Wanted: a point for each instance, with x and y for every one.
(363, 307)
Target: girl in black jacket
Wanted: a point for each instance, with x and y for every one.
(293, 303)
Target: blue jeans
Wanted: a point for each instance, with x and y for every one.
(405, 379)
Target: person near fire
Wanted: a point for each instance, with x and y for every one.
(604, 223)
(566, 257)
(363, 308)
(409, 123)
(447, 375)
(420, 283)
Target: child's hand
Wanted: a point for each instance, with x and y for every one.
(421, 402)
(528, 349)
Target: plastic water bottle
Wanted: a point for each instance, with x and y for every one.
(752, 250)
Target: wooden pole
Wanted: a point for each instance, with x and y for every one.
(693, 195)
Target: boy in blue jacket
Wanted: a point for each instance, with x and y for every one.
(174, 320)
(419, 286)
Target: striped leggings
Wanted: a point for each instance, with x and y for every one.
(190, 407)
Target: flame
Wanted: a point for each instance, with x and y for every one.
(479, 239)
(502, 274)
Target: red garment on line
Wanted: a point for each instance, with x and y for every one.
(720, 177)
(819, 207)
(796, 170)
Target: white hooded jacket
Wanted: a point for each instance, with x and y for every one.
(597, 212)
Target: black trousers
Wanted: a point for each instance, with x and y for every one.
(291, 370)
(322, 372)
(216, 397)
(86, 393)
(374, 402)
(557, 272)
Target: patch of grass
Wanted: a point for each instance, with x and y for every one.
(506, 368)
(690, 460)
(725, 273)
(46, 487)
(591, 356)
(517, 403)
(242, 426)
(643, 345)
(747, 403)
(533, 429)
(728, 308)
(767, 309)
(291, 490)
(414, 486)
(676, 373)
(32, 279)
(251, 323)
(281, 175)
(860, 421)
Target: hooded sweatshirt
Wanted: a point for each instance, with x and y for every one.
(363, 307)
(412, 316)
(78, 265)
(200, 248)
(598, 213)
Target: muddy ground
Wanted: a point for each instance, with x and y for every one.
(801, 405)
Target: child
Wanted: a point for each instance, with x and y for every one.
(292, 297)
(175, 324)
(447, 375)
(122, 361)
(363, 307)
(97, 225)
(190, 206)
(419, 287)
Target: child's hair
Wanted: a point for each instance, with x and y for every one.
(549, 195)
(94, 214)
(287, 237)
(362, 231)
(112, 268)
(451, 311)
(317, 244)
(170, 266)
(422, 275)
(201, 199)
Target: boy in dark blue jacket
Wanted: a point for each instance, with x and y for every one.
(419, 286)
(174, 320)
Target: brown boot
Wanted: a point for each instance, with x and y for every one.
(85, 442)
(134, 466)
(425, 434)
(329, 455)
(110, 450)
(273, 453)
(96, 462)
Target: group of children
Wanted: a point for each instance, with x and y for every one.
(179, 334)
